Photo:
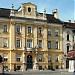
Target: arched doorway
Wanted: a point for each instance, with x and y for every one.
(29, 62)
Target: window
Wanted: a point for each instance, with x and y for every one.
(40, 30)
(29, 9)
(49, 58)
(29, 43)
(29, 29)
(49, 31)
(56, 58)
(5, 42)
(18, 57)
(40, 67)
(49, 67)
(40, 43)
(73, 37)
(57, 45)
(57, 66)
(49, 44)
(18, 67)
(5, 28)
(17, 42)
(67, 49)
(67, 37)
(5, 56)
(18, 28)
(5, 68)
(56, 32)
(40, 58)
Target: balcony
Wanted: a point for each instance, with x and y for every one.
(30, 49)
(29, 34)
(40, 35)
(18, 33)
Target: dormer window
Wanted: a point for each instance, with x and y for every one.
(29, 9)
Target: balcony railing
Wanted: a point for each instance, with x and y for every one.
(29, 34)
(30, 49)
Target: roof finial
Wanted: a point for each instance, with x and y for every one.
(44, 10)
(12, 6)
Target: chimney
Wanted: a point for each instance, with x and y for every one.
(55, 13)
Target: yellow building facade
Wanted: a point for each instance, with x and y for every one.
(30, 40)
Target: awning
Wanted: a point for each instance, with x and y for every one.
(71, 55)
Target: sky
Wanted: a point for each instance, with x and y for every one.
(66, 8)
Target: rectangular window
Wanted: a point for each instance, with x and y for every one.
(29, 29)
(56, 32)
(18, 57)
(18, 28)
(40, 67)
(5, 28)
(56, 58)
(5, 68)
(18, 67)
(5, 56)
(49, 58)
(17, 42)
(49, 32)
(57, 66)
(5, 42)
(57, 45)
(39, 57)
(73, 37)
(67, 37)
(49, 44)
(29, 43)
(67, 49)
(40, 30)
(40, 43)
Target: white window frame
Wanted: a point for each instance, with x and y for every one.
(29, 43)
(29, 30)
(39, 30)
(49, 31)
(49, 58)
(18, 42)
(57, 45)
(57, 58)
(56, 32)
(5, 28)
(5, 56)
(18, 28)
(5, 42)
(40, 57)
(18, 57)
(49, 44)
(40, 43)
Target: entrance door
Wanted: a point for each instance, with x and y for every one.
(29, 62)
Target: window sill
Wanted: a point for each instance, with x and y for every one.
(68, 40)
(5, 47)
(5, 32)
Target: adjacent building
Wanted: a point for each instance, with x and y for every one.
(68, 41)
(29, 39)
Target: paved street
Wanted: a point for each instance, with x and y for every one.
(46, 72)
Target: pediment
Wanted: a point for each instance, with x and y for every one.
(29, 4)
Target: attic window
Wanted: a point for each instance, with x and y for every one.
(29, 9)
